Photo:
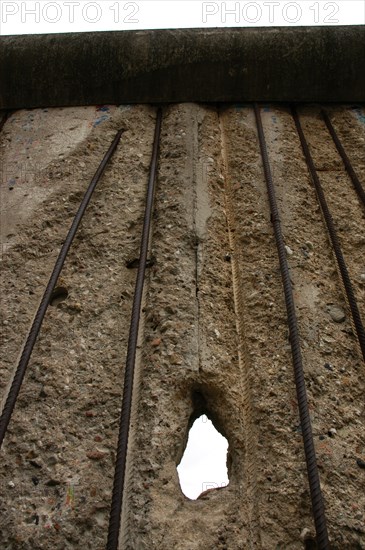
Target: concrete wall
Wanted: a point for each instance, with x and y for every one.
(214, 326)
(246, 64)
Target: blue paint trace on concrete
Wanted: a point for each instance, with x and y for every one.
(360, 115)
(241, 106)
(102, 118)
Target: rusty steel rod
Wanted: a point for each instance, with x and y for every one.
(38, 319)
(345, 159)
(127, 399)
(310, 454)
(336, 246)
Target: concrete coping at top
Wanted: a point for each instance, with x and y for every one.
(286, 64)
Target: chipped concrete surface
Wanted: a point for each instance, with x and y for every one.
(214, 340)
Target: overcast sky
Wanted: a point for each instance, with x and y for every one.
(204, 462)
(47, 16)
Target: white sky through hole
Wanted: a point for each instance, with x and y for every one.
(58, 16)
(203, 465)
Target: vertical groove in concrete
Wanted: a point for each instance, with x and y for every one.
(250, 500)
(170, 356)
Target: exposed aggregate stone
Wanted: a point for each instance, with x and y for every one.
(214, 336)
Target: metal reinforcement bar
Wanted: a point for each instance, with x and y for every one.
(125, 415)
(355, 180)
(359, 327)
(38, 319)
(310, 454)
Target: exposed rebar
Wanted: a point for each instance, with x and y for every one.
(310, 454)
(351, 299)
(125, 415)
(38, 319)
(351, 172)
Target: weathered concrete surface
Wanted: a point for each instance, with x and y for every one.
(249, 64)
(214, 336)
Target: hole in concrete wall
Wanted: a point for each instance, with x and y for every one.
(59, 295)
(203, 466)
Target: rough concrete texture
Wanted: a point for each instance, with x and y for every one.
(210, 65)
(214, 339)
